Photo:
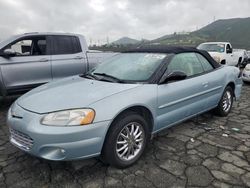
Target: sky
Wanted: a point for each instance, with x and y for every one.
(108, 20)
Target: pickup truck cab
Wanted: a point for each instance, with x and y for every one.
(32, 59)
(222, 52)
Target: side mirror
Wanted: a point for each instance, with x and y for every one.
(229, 50)
(173, 76)
(9, 52)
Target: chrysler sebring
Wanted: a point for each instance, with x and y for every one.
(114, 109)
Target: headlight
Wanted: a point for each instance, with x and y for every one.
(69, 117)
(217, 59)
(247, 68)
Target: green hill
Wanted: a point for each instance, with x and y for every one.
(236, 31)
(125, 41)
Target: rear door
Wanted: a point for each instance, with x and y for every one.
(30, 66)
(181, 99)
(67, 56)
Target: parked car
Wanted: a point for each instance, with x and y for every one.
(222, 52)
(248, 56)
(113, 110)
(246, 73)
(32, 59)
(243, 58)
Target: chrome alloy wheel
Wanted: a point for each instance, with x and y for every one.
(130, 141)
(227, 101)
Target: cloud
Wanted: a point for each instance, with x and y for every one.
(99, 19)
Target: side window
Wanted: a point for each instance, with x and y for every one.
(22, 47)
(228, 49)
(187, 63)
(66, 45)
(77, 45)
(29, 46)
(205, 64)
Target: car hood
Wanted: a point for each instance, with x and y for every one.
(74, 92)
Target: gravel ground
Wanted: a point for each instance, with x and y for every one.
(191, 154)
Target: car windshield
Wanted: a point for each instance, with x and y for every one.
(212, 47)
(130, 66)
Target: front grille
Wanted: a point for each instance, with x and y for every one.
(20, 139)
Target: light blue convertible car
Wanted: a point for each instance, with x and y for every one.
(113, 110)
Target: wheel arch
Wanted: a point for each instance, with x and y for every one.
(232, 85)
(2, 86)
(240, 59)
(223, 62)
(141, 110)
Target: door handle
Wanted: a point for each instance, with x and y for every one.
(78, 57)
(43, 60)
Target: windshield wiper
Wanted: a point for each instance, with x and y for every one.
(109, 76)
(91, 76)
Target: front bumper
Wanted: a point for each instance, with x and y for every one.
(54, 143)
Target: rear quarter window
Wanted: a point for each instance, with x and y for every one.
(205, 63)
(65, 45)
(187, 63)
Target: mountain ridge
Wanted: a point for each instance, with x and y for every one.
(125, 41)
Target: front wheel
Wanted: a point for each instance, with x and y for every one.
(126, 140)
(226, 102)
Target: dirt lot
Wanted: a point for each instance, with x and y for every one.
(192, 154)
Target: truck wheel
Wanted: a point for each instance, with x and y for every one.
(126, 140)
(226, 102)
(223, 62)
(239, 62)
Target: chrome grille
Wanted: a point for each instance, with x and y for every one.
(20, 139)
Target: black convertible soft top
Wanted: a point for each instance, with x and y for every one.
(173, 50)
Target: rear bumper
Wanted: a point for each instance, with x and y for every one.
(55, 143)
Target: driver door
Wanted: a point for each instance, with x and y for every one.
(178, 100)
(230, 57)
(30, 66)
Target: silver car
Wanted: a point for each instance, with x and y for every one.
(113, 110)
(32, 59)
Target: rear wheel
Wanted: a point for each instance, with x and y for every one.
(226, 102)
(126, 140)
(223, 62)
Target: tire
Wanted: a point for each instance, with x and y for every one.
(239, 62)
(246, 82)
(114, 153)
(223, 62)
(226, 102)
